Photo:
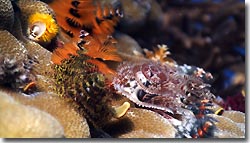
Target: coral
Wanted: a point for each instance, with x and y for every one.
(135, 12)
(235, 116)
(198, 124)
(30, 60)
(66, 48)
(227, 128)
(6, 15)
(169, 90)
(15, 67)
(196, 35)
(16, 52)
(21, 121)
(235, 102)
(142, 123)
(74, 125)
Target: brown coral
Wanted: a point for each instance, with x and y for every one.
(235, 116)
(74, 125)
(22, 121)
(14, 69)
(141, 123)
(228, 128)
(6, 15)
(33, 58)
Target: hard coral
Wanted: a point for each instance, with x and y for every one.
(235, 116)
(6, 15)
(228, 128)
(73, 123)
(15, 66)
(32, 55)
(20, 121)
(141, 123)
(154, 125)
(160, 54)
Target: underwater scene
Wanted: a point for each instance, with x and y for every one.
(122, 69)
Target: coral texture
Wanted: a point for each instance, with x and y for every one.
(74, 125)
(6, 14)
(14, 69)
(141, 123)
(227, 128)
(152, 126)
(29, 60)
(19, 121)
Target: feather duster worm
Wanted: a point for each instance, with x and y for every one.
(91, 48)
(164, 87)
(38, 21)
(42, 27)
(169, 91)
(97, 43)
(84, 14)
(72, 15)
(80, 81)
(35, 67)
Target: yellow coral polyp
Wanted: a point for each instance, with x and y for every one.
(42, 27)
